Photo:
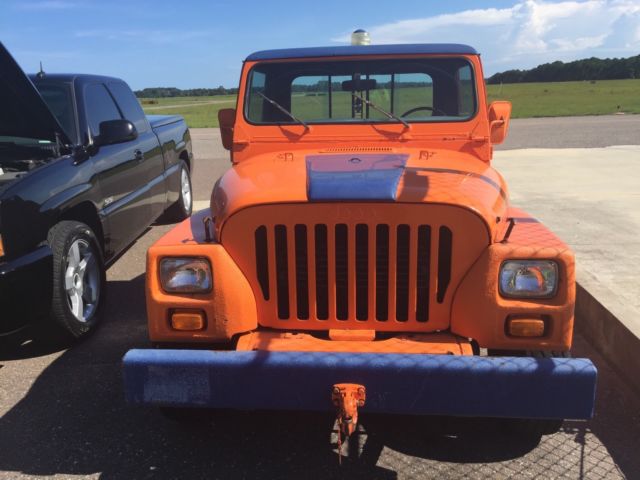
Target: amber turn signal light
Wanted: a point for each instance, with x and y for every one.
(188, 321)
(525, 327)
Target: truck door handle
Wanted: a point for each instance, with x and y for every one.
(138, 155)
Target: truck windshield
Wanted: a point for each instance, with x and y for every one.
(58, 99)
(413, 89)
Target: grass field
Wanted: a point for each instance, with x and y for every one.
(561, 99)
(528, 99)
(197, 111)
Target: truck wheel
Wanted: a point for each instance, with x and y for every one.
(78, 281)
(184, 206)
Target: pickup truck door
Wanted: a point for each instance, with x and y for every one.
(148, 144)
(121, 172)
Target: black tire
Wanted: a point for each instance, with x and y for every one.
(184, 206)
(63, 324)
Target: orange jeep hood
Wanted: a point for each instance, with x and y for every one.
(423, 176)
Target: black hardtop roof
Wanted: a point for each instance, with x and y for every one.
(73, 78)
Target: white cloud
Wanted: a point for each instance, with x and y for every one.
(529, 33)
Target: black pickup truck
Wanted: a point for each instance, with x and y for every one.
(83, 172)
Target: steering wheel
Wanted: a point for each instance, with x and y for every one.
(417, 109)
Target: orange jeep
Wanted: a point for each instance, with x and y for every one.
(361, 242)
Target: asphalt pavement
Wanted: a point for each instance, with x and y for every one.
(573, 132)
(63, 413)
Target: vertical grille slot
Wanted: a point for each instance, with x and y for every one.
(362, 272)
(282, 271)
(367, 272)
(302, 273)
(382, 272)
(322, 273)
(342, 272)
(445, 244)
(402, 273)
(424, 269)
(262, 260)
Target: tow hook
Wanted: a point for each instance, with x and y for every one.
(347, 397)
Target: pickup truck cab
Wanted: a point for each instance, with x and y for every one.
(83, 172)
(362, 252)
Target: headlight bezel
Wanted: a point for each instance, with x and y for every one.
(191, 289)
(527, 263)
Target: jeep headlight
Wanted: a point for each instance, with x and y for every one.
(529, 278)
(185, 275)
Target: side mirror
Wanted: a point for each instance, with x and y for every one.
(226, 119)
(499, 115)
(116, 131)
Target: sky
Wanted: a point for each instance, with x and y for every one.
(201, 43)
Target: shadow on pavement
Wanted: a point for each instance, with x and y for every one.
(23, 345)
(74, 421)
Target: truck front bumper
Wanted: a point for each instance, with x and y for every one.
(25, 289)
(518, 387)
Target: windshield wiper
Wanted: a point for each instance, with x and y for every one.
(284, 110)
(384, 112)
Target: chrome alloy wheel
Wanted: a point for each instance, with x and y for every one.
(82, 280)
(185, 186)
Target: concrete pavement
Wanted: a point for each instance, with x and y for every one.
(573, 132)
(591, 199)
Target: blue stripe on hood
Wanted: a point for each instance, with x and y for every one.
(354, 176)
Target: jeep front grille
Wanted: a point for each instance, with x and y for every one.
(384, 266)
(372, 261)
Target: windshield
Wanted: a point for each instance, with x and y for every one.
(58, 99)
(413, 89)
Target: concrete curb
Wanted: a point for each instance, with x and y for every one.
(609, 335)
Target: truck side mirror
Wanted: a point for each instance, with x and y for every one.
(226, 119)
(499, 115)
(115, 131)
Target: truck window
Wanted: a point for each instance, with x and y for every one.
(309, 97)
(465, 79)
(254, 107)
(129, 105)
(58, 99)
(100, 107)
(413, 90)
(418, 89)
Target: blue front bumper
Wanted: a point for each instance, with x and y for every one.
(518, 387)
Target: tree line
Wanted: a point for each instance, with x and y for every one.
(586, 69)
(163, 92)
(323, 86)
